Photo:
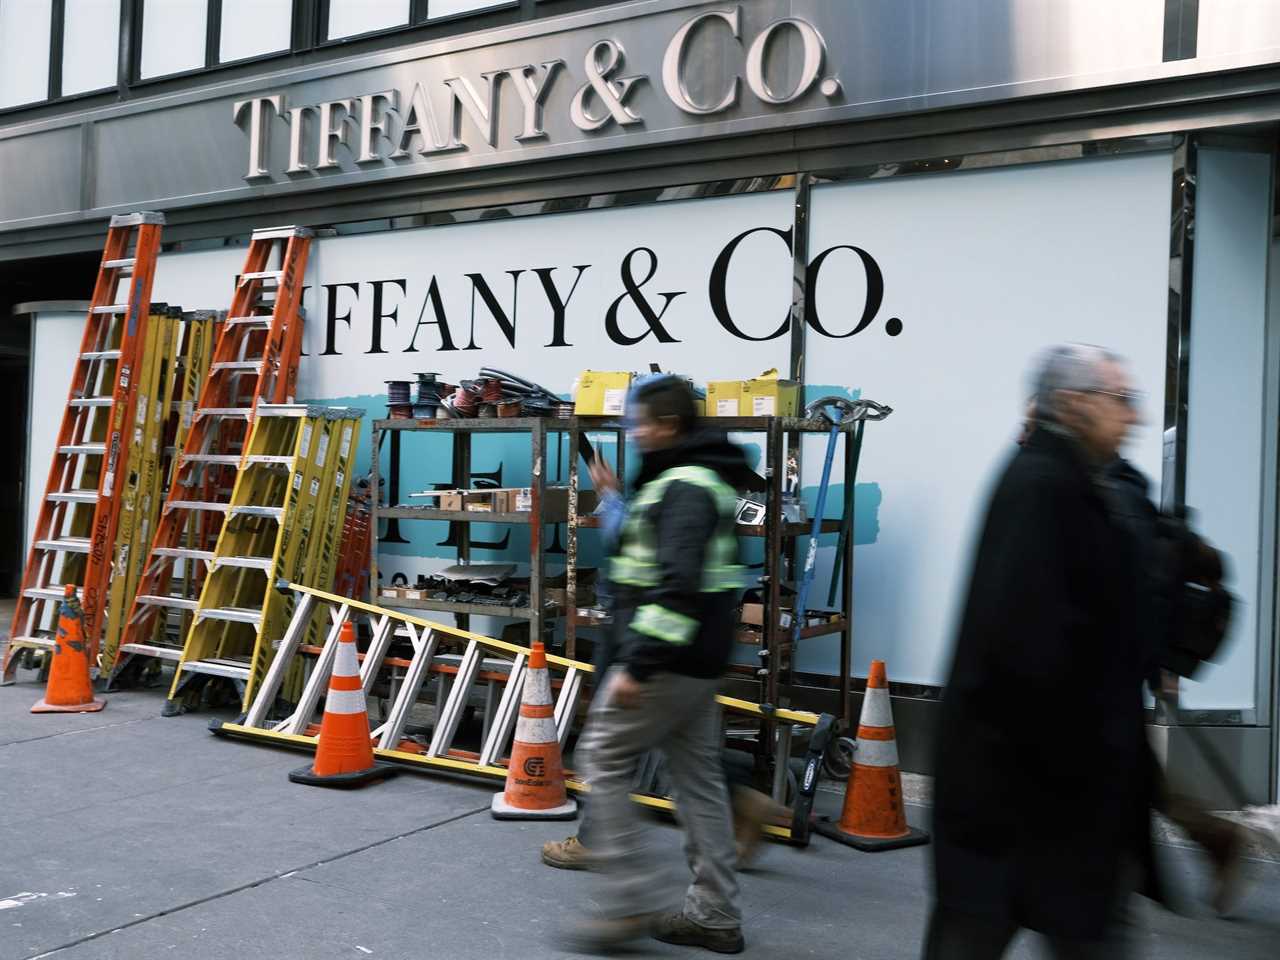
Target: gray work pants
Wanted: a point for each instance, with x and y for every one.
(680, 716)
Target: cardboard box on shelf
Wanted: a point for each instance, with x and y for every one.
(769, 396)
(724, 398)
(440, 499)
(480, 501)
(602, 393)
(555, 502)
(753, 615)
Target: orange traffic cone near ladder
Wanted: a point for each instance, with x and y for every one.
(344, 754)
(70, 689)
(873, 817)
(535, 773)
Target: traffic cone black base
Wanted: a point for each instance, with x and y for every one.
(344, 781)
(830, 829)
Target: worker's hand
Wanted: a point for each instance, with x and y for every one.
(625, 690)
(603, 479)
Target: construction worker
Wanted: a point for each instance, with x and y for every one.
(752, 809)
(675, 575)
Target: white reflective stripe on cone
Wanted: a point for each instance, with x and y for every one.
(537, 688)
(345, 663)
(345, 701)
(876, 711)
(537, 730)
(876, 753)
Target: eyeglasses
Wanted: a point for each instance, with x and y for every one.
(1130, 398)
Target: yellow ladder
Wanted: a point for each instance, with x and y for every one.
(142, 480)
(298, 458)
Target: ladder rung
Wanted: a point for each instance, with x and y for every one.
(183, 553)
(150, 650)
(281, 233)
(274, 513)
(246, 563)
(74, 496)
(264, 458)
(65, 545)
(43, 642)
(48, 593)
(239, 413)
(229, 459)
(261, 275)
(112, 308)
(101, 355)
(176, 603)
(89, 449)
(124, 263)
(91, 402)
(232, 614)
(207, 505)
(217, 668)
(256, 321)
(255, 365)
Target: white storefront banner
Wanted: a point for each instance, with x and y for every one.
(974, 273)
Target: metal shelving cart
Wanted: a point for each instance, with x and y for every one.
(775, 670)
(539, 614)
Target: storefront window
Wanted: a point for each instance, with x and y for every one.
(173, 36)
(450, 8)
(350, 18)
(1226, 417)
(24, 51)
(252, 28)
(90, 45)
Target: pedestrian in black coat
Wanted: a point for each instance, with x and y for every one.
(1043, 773)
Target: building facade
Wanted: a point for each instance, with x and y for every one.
(899, 201)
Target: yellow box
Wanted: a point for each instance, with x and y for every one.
(602, 393)
(724, 398)
(768, 396)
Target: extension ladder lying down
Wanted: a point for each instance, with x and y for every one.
(487, 670)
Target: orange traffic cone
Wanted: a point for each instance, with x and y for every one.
(873, 817)
(535, 774)
(70, 689)
(344, 755)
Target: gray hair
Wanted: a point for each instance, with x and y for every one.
(1068, 366)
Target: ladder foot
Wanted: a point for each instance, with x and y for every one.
(173, 708)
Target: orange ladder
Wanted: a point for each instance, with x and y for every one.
(255, 360)
(75, 531)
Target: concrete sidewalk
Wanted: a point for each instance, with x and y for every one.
(129, 836)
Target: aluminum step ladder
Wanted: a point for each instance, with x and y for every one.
(481, 673)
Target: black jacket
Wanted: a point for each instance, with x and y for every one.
(685, 519)
(1043, 770)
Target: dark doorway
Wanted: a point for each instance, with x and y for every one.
(53, 278)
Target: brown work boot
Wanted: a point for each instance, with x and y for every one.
(751, 811)
(678, 929)
(567, 854)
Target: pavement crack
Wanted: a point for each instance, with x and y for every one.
(72, 733)
(138, 921)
